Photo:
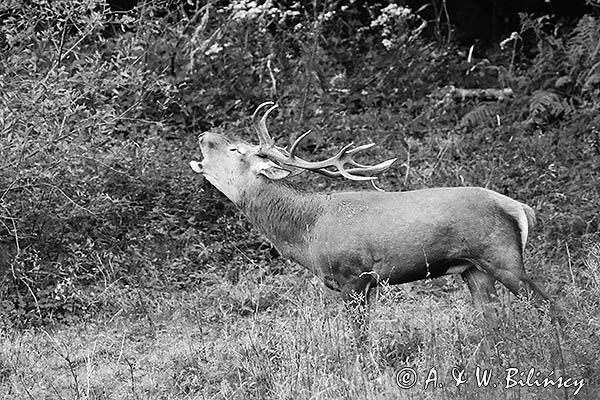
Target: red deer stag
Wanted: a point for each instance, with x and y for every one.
(355, 240)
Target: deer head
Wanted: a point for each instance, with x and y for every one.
(231, 167)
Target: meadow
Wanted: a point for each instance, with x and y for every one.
(287, 336)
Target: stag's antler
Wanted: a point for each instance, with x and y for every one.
(359, 172)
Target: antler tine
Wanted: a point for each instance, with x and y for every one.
(263, 120)
(361, 148)
(261, 125)
(297, 142)
(373, 169)
(260, 107)
(348, 174)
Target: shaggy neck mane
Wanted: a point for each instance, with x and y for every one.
(284, 214)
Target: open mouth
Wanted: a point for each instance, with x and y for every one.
(196, 166)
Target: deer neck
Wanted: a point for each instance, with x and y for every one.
(285, 215)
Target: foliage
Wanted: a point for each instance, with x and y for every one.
(545, 106)
(584, 53)
(565, 67)
(86, 158)
(95, 105)
(481, 115)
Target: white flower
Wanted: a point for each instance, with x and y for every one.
(328, 15)
(387, 43)
(215, 49)
(248, 10)
(390, 14)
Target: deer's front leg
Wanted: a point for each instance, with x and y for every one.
(355, 294)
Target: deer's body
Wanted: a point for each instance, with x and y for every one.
(350, 239)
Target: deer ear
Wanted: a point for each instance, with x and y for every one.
(273, 171)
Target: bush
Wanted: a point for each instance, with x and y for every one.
(98, 118)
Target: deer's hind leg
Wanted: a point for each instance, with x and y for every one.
(483, 291)
(506, 266)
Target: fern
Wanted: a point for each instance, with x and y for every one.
(483, 115)
(576, 62)
(563, 81)
(592, 81)
(551, 58)
(545, 106)
(583, 49)
(583, 45)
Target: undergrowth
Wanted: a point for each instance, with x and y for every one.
(288, 337)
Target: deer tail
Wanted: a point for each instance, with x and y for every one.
(526, 222)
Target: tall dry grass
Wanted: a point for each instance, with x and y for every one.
(288, 337)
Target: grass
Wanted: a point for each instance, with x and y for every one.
(288, 337)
